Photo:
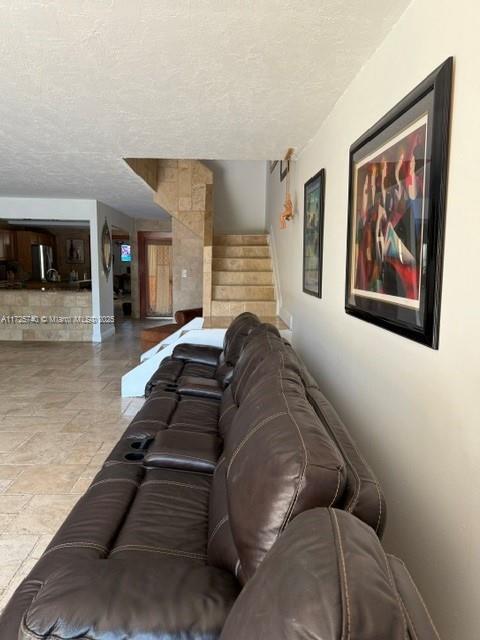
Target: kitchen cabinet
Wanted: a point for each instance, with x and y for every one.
(7, 244)
(25, 240)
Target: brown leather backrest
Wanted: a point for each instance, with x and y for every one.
(326, 577)
(236, 335)
(279, 461)
(362, 495)
(262, 340)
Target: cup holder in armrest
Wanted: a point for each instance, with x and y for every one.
(144, 443)
(134, 457)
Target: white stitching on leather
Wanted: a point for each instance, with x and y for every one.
(149, 420)
(181, 455)
(218, 526)
(95, 484)
(232, 406)
(305, 454)
(338, 487)
(169, 552)
(250, 434)
(79, 544)
(176, 484)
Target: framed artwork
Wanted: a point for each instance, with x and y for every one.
(313, 214)
(107, 251)
(284, 169)
(75, 251)
(396, 217)
(273, 164)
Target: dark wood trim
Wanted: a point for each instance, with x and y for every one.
(159, 237)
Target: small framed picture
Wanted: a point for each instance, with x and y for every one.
(396, 217)
(284, 169)
(75, 251)
(313, 216)
(273, 164)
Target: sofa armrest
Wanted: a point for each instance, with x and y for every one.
(161, 598)
(201, 353)
(419, 621)
(184, 450)
(203, 387)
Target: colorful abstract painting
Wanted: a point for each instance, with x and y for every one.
(390, 219)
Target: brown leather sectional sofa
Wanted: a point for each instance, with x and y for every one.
(236, 505)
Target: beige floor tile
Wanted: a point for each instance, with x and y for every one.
(43, 515)
(10, 440)
(44, 448)
(46, 479)
(10, 503)
(9, 472)
(5, 521)
(15, 548)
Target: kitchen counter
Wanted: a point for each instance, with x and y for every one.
(52, 314)
(64, 285)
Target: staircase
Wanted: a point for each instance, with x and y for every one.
(242, 277)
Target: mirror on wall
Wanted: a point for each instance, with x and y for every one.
(106, 249)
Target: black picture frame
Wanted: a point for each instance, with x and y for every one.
(75, 251)
(313, 222)
(403, 155)
(284, 169)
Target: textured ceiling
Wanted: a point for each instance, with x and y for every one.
(85, 83)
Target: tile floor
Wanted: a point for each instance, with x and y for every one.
(60, 415)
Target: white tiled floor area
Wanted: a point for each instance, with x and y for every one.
(60, 415)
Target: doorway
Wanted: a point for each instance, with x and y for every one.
(155, 270)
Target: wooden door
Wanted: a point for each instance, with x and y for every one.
(155, 271)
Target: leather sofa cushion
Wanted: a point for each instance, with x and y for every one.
(262, 341)
(203, 387)
(195, 414)
(168, 517)
(200, 353)
(154, 415)
(326, 577)
(236, 336)
(170, 370)
(206, 361)
(167, 410)
(184, 450)
(280, 461)
(151, 598)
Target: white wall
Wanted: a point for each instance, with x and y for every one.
(414, 411)
(102, 285)
(238, 195)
